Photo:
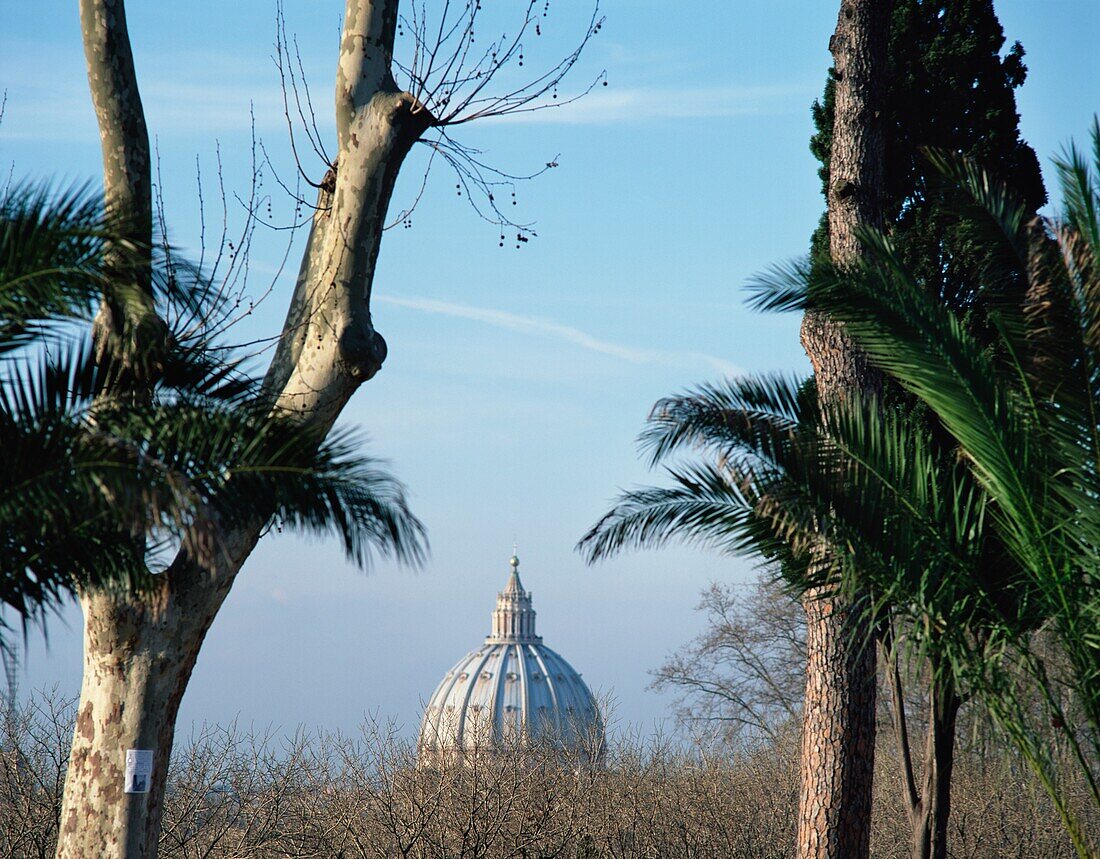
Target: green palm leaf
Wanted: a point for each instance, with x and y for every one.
(153, 438)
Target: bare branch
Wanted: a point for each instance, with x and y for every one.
(453, 79)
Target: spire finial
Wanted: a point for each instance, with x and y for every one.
(514, 619)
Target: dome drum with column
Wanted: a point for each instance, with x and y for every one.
(512, 692)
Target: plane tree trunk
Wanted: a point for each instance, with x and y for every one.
(140, 649)
(138, 657)
(838, 729)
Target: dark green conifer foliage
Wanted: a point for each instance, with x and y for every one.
(949, 88)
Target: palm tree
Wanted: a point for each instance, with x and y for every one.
(94, 482)
(1015, 384)
(968, 509)
(773, 472)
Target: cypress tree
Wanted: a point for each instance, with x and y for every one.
(949, 87)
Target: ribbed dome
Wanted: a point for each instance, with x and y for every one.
(514, 690)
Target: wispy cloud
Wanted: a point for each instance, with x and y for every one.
(213, 108)
(549, 328)
(643, 104)
(203, 93)
(211, 92)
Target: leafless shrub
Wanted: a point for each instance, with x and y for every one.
(241, 793)
(34, 749)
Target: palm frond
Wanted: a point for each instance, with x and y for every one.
(934, 355)
(51, 246)
(780, 288)
(704, 507)
(991, 207)
(1078, 185)
(154, 437)
(758, 412)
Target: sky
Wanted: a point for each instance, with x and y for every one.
(517, 379)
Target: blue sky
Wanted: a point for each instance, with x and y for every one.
(517, 380)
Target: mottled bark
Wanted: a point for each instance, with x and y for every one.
(140, 649)
(127, 184)
(838, 738)
(138, 657)
(329, 344)
(124, 139)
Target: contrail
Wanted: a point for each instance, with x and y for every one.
(550, 328)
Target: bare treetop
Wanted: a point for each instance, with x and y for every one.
(451, 72)
(439, 66)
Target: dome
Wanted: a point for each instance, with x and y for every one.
(513, 691)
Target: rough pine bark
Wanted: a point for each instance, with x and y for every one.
(139, 650)
(838, 728)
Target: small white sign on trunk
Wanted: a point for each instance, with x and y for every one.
(139, 770)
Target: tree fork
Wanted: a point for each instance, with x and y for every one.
(930, 817)
(140, 648)
(928, 806)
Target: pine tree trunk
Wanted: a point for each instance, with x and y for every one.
(838, 735)
(838, 731)
(140, 649)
